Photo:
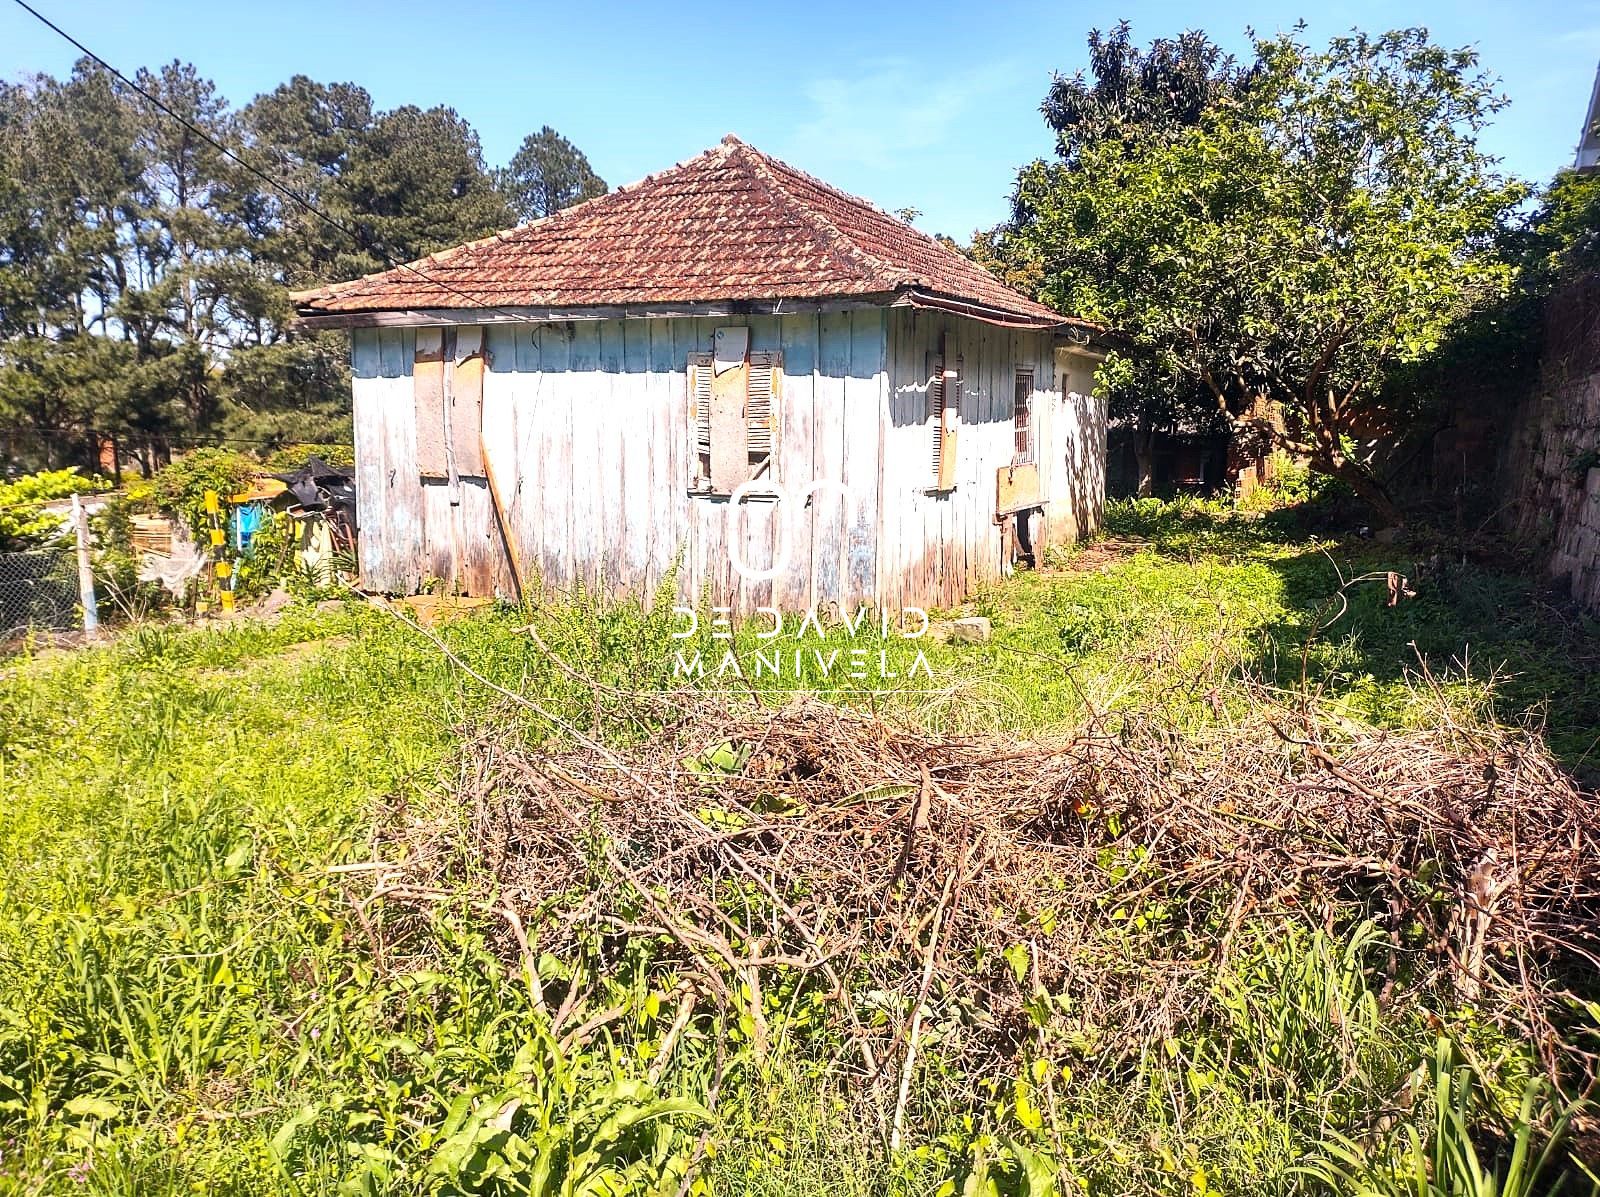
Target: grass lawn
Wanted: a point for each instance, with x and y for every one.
(188, 1002)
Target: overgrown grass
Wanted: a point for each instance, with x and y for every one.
(189, 1000)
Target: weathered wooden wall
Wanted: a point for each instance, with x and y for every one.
(413, 530)
(589, 424)
(586, 427)
(937, 546)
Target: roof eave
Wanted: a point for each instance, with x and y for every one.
(1045, 320)
(310, 318)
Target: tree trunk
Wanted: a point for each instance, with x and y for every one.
(1265, 420)
(1144, 458)
(1367, 488)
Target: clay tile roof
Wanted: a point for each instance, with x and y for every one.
(730, 224)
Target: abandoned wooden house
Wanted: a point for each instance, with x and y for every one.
(730, 374)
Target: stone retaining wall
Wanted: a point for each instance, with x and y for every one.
(1551, 468)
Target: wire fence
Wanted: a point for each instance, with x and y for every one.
(38, 590)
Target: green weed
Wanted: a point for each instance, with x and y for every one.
(190, 1002)
(1450, 1159)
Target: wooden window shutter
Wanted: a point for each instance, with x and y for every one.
(761, 411)
(730, 455)
(1022, 416)
(699, 370)
(953, 379)
(733, 419)
(944, 408)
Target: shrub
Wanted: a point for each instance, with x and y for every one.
(181, 487)
(24, 523)
(292, 457)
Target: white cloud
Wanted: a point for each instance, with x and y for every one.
(1588, 39)
(880, 115)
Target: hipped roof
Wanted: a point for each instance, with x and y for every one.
(730, 225)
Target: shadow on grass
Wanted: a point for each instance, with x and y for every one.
(1478, 621)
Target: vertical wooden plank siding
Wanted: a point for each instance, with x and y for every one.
(965, 351)
(533, 452)
(441, 548)
(685, 339)
(863, 455)
(587, 426)
(554, 347)
(796, 463)
(500, 440)
(587, 391)
(371, 468)
(1080, 448)
(632, 394)
(1051, 480)
(427, 382)
(712, 559)
(827, 456)
(609, 417)
(890, 503)
(666, 446)
(466, 402)
(903, 517)
(403, 494)
(759, 522)
(937, 547)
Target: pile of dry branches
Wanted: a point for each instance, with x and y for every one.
(903, 872)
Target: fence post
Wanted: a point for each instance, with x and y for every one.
(80, 526)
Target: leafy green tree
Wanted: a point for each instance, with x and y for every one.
(417, 183)
(1562, 240)
(24, 522)
(144, 274)
(1132, 93)
(55, 392)
(1128, 95)
(288, 391)
(181, 487)
(1148, 395)
(305, 134)
(548, 173)
(1331, 221)
(187, 239)
(1493, 357)
(69, 163)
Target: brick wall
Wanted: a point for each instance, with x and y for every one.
(1551, 468)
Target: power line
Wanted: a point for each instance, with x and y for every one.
(354, 233)
(143, 435)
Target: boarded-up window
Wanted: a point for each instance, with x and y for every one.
(464, 389)
(427, 389)
(447, 390)
(1022, 416)
(944, 410)
(734, 417)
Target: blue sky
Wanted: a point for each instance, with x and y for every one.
(932, 105)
